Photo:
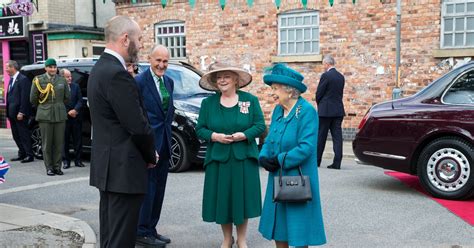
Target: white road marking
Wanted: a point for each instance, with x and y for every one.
(42, 185)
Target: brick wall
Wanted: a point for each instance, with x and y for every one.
(361, 37)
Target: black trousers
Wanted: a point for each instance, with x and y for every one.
(118, 215)
(22, 136)
(73, 129)
(334, 125)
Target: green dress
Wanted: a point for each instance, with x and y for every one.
(232, 182)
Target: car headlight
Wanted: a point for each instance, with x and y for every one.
(192, 117)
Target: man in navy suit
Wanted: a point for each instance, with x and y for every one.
(157, 91)
(330, 110)
(19, 111)
(73, 123)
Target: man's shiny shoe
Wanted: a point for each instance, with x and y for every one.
(332, 167)
(50, 173)
(79, 164)
(149, 241)
(27, 159)
(66, 164)
(163, 238)
(19, 158)
(58, 172)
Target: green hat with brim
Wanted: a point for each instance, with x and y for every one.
(282, 74)
(50, 62)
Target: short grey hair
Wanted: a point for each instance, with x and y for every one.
(118, 25)
(62, 71)
(328, 59)
(159, 46)
(14, 64)
(294, 93)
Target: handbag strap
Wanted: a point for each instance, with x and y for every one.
(280, 181)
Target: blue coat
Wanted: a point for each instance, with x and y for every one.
(160, 121)
(298, 223)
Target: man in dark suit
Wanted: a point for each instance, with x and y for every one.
(73, 122)
(122, 145)
(157, 91)
(330, 110)
(19, 111)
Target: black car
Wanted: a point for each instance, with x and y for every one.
(186, 148)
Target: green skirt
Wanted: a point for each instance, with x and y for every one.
(231, 191)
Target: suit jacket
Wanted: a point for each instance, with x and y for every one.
(123, 142)
(53, 109)
(251, 123)
(160, 120)
(75, 101)
(18, 97)
(329, 94)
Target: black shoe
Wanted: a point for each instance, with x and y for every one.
(149, 241)
(58, 172)
(163, 238)
(66, 165)
(50, 173)
(79, 164)
(28, 159)
(19, 158)
(332, 167)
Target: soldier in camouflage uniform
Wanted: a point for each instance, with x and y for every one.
(49, 93)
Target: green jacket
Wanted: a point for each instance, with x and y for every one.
(251, 123)
(53, 109)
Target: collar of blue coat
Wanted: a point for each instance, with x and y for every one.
(279, 111)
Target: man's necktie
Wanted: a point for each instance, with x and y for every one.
(164, 95)
(10, 84)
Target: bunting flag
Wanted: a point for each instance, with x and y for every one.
(250, 3)
(353, 1)
(305, 2)
(134, 1)
(278, 3)
(192, 3)
(163, 3)
(222, 4)
(331, 2)
(1, 12)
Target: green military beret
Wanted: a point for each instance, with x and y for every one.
(50, 62)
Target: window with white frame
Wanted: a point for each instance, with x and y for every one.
(457, 26)
(298, 33)
(172, 35)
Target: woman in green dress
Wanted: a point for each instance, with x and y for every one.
(230, 121)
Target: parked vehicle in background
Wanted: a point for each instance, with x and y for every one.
(429, 134)
(186, 148)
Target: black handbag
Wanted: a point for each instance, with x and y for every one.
(292, 189)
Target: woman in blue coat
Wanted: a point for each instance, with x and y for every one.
(294, 132)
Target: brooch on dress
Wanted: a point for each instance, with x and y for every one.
(298, 110)
(244, 107)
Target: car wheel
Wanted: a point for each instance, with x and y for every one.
(36, 143)
(179, 160)
(445, 168)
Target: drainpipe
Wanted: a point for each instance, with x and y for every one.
(397, 92)
(94, 13)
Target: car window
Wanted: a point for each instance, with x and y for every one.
(186, 82)
(461, 91)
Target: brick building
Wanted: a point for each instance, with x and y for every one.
(436, 34)
(54, 28)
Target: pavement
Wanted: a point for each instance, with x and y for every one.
(20, 224)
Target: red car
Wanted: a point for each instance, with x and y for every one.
(429, 134)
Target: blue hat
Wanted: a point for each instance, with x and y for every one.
(282, 74)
